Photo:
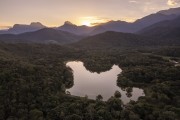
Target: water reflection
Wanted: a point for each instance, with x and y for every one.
(92, 84)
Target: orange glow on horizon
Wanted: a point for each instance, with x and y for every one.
(88, 21)
(127, 19)
(92, 20)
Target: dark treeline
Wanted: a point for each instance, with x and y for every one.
(34, 77)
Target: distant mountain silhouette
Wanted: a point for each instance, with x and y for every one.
(112, 39)
(166, 23)
(175, 11)
(151, 19)
(121, 26)
(72, 28)
(20, 28)
(117, 26)
(167, 31)
(45, 35)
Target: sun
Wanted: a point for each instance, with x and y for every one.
(86, 22)
(92, 20)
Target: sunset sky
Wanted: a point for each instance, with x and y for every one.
(88, 12)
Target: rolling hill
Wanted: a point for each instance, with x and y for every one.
(46, 35)
(112, 39)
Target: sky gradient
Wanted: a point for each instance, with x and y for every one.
(55, 12)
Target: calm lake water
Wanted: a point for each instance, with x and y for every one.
(92, 84)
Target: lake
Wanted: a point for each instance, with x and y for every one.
(104, 83)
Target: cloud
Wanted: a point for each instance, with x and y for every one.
(5, 27)
(133, 1)
(128, 19)
(172, 2)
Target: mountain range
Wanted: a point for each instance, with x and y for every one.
(168, 31)
(163, 33)
(45, 35)
(161, 28)
(118, 26)
(21, 28)
(72, 28)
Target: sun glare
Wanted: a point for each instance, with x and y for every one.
(92, 20)
(87, 23)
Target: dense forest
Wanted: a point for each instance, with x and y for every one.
(34, 78)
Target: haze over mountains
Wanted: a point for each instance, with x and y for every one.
(118, 26)
(166, 32)
(45, 35)
(158, 29)
(21, 28)
(162, 27)
(72, 28)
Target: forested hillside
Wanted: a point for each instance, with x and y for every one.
(34, 78)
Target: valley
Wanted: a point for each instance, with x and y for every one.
(115, 70)
(43, 74)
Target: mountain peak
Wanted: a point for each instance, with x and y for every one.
(17, 25)
(36, 24)
(22, 28)
(33, 24)
(68, 22)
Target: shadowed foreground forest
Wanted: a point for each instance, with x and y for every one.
(34, 78)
